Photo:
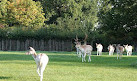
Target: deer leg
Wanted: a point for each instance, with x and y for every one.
(77, 51)
(120, 55)
(84, 57)
(117, 55)
(97, 53)
(109, 53)
(89, 59)
(127, 53)
(100, 52)
(38, 68)
(41, 73)
(130, 53)
(42, 70)
(79, 54)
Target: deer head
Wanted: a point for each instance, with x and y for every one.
(31, 51)
(78, 44)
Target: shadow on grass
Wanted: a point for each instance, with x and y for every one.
(3, 77)
(97, 61)
(11, 57)
(71, 59)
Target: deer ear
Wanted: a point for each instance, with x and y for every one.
(30, 48)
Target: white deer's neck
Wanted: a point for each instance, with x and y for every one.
(34, 55)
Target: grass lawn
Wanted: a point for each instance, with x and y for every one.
(66, 66)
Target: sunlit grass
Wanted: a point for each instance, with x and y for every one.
(66, 66)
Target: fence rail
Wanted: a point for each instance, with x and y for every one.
(43, 45)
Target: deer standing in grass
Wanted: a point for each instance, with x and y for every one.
(84, 49)
(128, 49)
(41, 61)
(77, 49)
(111, 49)
(120, 50)
(99, 49)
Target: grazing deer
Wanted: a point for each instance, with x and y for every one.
(84, 50)
(128, 49)
(120, 50)
(41, 61)
(111, 49)
(99, 49)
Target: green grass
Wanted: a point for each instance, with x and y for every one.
(66, 66)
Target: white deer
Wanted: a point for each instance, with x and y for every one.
(120, 50)
(111, 49)
(84, 50)
(41, 61)
(99, 49)
(128, 49)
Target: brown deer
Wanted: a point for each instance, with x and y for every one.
(120, 50)
(84, 49)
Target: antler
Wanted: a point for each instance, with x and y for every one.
(76, 39)
(86, 36)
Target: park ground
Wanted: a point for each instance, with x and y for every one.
(66, 66)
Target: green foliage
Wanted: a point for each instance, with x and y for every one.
(64, 18)
(46, 33)
(71, 15)
(3, 33)
(22, 13)
(118, 21)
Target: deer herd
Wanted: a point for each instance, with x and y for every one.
(84, 49)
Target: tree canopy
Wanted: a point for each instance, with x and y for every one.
(26, 13)
(115, 19)
(71, 14)
(118, 19)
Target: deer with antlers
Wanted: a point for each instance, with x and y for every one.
(84, 49)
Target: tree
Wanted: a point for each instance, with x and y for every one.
(71, 15)
(118, 20)
(21, 12)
